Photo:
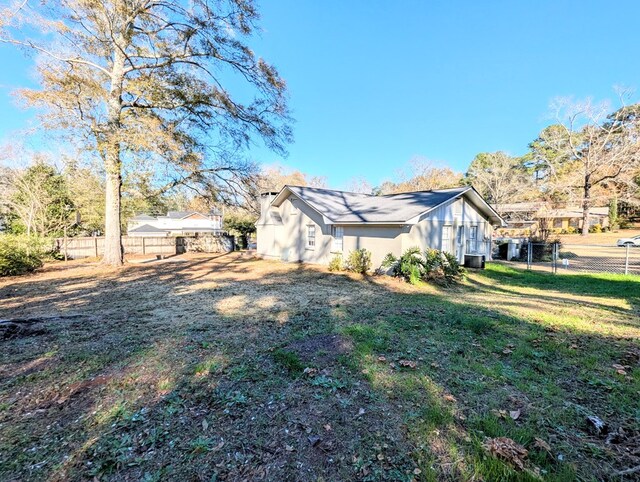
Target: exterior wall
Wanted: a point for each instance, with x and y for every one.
(459, 214)
(288, 240)
(380, 240)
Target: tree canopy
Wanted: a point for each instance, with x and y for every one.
(147, 81)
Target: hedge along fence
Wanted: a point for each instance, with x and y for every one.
(93, 247)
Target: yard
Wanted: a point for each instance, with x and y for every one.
(232, 368)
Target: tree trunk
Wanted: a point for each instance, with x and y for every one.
(586, 205)
(113, 251)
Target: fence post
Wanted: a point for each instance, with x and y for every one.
(554, 255)
(95, 244)
(626, 260)
(529, 254)
(144, 247)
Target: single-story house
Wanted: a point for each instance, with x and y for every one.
(312, 225)
(175, 223)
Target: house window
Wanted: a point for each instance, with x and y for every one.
(473, 238)
(557, 222)
(446, 238)
(338, 234)
(311, 236)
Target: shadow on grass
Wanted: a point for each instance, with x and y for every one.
(184, 370)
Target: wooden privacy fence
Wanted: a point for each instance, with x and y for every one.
(93, 247)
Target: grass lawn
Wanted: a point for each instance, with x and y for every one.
(232, 368)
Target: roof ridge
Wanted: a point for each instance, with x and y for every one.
(329, 189)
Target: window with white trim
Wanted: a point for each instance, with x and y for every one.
(338, 235)
(311, 236)
(473, 238)
(446, 238)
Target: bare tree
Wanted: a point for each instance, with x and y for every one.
(422, 175)
(145, 80)
(498, 176)
(592, 147)
(359, 185)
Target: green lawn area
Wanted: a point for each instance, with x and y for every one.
(233, 368)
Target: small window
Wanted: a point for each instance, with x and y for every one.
(473, 239)
(311, 236)
(338, 234)
(557, 222)
(446, 238)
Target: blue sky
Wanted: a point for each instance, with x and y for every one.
(374, 84)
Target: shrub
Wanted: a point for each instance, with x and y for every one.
(336, 263)
(596, 228)
(359, 261)
(415, 266)
(20, 254)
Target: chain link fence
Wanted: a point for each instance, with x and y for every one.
(567, 258)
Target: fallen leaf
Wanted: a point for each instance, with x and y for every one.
(310, 371)
(514, 414)
(507, 351)
(408, 363)
(288, 448)
(597, 424)
(380, 457)
(506, 449)
(417, 471)
(541, 444)
(574, 347)
(327, 427)
(314, 440)
(382, 358)
(360, 412)
(205, 424)
(218, 447)
(499, 413)
(449, 398)
(435, 365)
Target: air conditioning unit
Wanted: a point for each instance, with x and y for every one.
(475, 261)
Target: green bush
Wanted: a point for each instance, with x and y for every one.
(432, 265)
(596, 228)
(20, 254)
(359, 261)
(336, 263)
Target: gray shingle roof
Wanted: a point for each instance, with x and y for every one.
(179, 214)
(346, 207)
(143, 217)
(146, 228)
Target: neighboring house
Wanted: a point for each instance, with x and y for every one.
(312, 225)
(175, 223)
(531, 218)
